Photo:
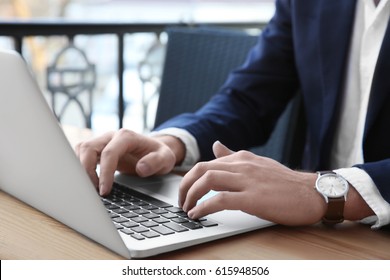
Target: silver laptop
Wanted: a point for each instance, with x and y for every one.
(38, 166)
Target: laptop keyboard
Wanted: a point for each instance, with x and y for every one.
(141, 216)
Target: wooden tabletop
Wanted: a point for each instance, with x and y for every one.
(26, 233)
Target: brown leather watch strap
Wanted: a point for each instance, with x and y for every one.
(335, 212)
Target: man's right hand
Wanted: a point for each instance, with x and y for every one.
(128, 152)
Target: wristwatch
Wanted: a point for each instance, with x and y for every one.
(334, 189)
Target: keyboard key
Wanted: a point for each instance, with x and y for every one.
(139, 229)
(149, 207)
(123, 203)
(129, 224)
(182, 214)
(141, 211)
(137, 236)
(116, 199)
(149, 224)
(113, 215)
(150, 234)
(120, 220)
(140, 203)
(129, 215)
(159, 203)
(174, 209)
(139, 219)
(163, 230)
(175, 227)
(179, 220)
(118, 226)
(161, 220)
(169, 215)
(127, 231)
(120, 210)
(192, 225)
(129, 198)
(111, 206)
(132, 207)
(151, 216)
(160, 211)
(105, 201)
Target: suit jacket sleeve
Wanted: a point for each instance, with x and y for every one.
(244, 111)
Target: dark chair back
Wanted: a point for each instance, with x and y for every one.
(197, 63)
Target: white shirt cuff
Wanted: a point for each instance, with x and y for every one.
(366, 187)
(192, 150)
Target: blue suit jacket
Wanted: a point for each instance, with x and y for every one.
(304, 47)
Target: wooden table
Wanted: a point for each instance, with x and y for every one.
(26, 233)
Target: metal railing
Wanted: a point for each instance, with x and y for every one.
(20, 30)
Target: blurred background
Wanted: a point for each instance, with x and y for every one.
(97, 55)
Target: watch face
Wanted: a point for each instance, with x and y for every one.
(332, 185)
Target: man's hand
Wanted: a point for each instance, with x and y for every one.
(257, 185)
(128, 152)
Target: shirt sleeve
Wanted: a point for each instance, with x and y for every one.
(192, 155)
(366, 187)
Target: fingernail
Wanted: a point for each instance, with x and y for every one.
(101, 189)
(191, 214)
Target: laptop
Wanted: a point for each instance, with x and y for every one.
(39, 167)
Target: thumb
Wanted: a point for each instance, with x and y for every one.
(158, 162)
(143, 169)
(221, 150)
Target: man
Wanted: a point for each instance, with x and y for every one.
(336, 54)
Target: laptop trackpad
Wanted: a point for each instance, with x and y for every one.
(165, 188)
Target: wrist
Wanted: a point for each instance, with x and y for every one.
(311, 206)
(363, 198)
(356, 207)
(318, 202)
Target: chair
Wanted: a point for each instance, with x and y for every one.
(197, 62)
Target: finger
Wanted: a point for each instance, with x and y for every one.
(89, 152)
(94, 178)
(89, 162)
(122, 142)
(219, 202)
(216, 180)
(199, 170)
(189, 179)
(221, 150)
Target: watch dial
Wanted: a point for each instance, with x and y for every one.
(332, 185)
